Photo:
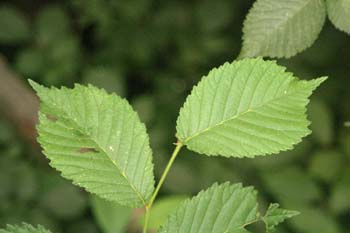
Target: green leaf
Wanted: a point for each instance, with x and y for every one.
(110, 216)
(339, 14)
(221, 208)
(282, 28)
(98, 141)
(275, 216)
(24, 228)
(246, 108)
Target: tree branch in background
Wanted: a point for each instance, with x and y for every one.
(18, 103)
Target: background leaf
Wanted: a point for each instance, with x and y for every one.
(282, 28)
(246, 108)
(111, 217)
(339, 14)
(98, 141)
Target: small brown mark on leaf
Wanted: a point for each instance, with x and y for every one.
(51, 117)
(87, 150)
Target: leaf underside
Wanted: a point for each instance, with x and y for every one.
(219, 209)
(97, 141)
(282, 28)
(244, 109)
(339, 14)
(24, 228)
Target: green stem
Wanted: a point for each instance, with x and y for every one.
(145, 225)
(160, 183)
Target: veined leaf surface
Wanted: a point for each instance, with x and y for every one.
(339, 14)
(96, 140)
(282, 28)
(220, 209)
(244, 109)
(275, 216)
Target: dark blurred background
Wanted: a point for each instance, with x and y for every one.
(152, 52)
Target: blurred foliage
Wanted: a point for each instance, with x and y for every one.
(32, 193)
(110, 216)
(152, 52)
(15, 25)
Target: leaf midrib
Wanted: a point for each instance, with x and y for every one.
(281, 24)
(235, 117)
(99, 147)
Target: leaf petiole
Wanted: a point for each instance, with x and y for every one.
(160, 183)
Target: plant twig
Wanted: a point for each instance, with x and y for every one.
(160, 183)
(18, 103)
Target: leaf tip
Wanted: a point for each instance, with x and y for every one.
(322, 79)
(319, 81)
(36, 86)
(32, 83)
(294, 213)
